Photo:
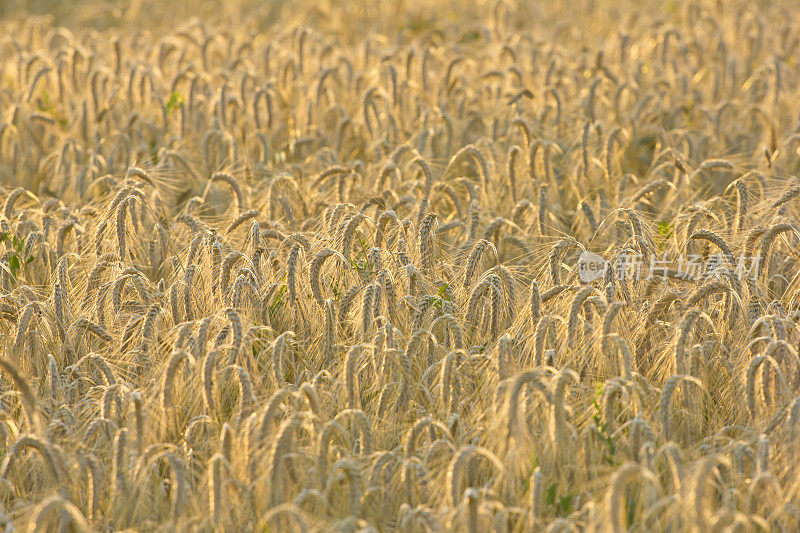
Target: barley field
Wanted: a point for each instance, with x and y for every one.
(399, 266)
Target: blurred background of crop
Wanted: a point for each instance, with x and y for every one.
(352, 18)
